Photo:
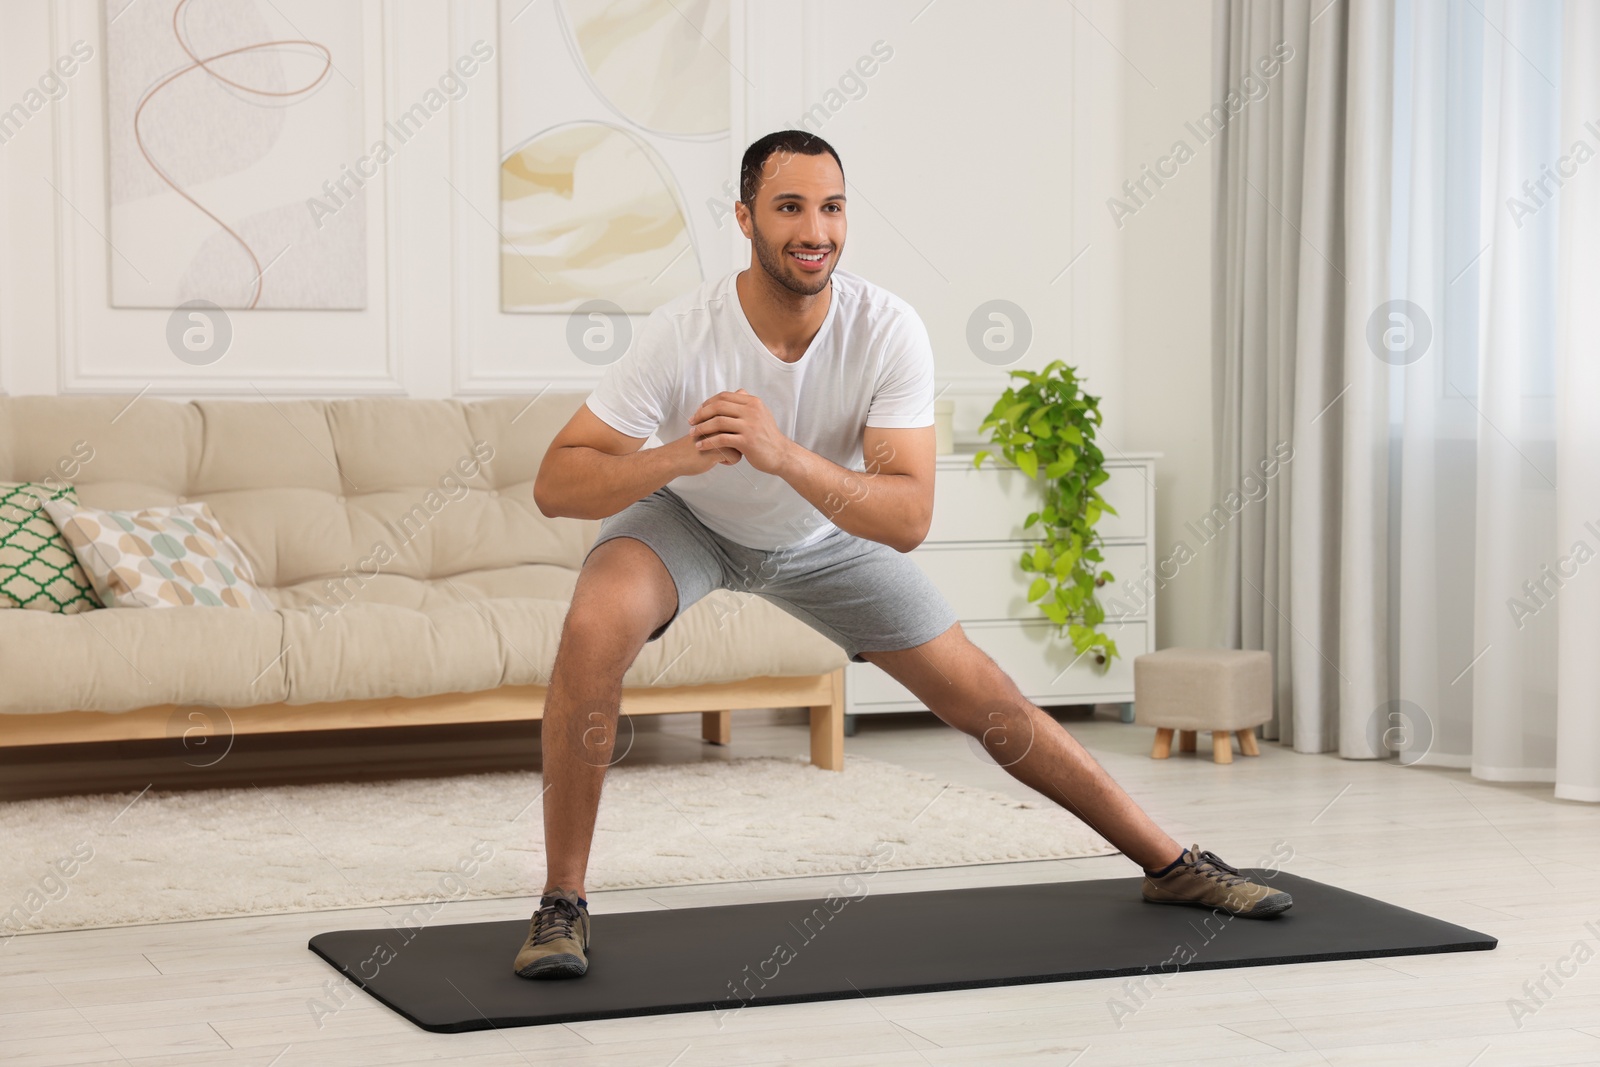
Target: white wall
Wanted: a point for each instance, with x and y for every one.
(1166, 305)
(980, 158)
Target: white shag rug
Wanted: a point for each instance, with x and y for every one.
(120, 859)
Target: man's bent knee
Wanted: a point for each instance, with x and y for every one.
(624, 588)
(597, 632)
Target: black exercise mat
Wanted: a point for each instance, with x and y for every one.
(458, 977)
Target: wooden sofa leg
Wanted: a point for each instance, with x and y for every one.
(1186, 740)
(1163, 745)
(827, 727)
(716, 726)
(1247, 742)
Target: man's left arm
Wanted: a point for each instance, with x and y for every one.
(890, 501)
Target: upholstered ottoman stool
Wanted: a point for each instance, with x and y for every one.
(1223, 690)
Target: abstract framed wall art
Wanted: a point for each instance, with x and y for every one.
(228, 122)
(614, 135)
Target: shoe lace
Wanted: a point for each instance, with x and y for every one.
(1211, 865)
(554, 919)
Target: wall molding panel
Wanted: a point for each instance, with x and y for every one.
(274, 351)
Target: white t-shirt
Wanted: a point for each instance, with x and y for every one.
(870, 364)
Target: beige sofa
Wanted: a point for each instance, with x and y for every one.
(404, 592)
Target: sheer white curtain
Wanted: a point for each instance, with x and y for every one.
(1481, 564)
(1435, 590)
(1578, 412)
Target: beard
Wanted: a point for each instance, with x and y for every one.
(780, 267)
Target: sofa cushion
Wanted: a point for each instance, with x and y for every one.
(119, 659)
(38, 570)
(406, 638)
(400, 636)
(308, 487)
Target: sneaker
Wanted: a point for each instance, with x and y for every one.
(1201, 879)
(558, 938)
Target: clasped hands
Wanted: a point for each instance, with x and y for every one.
(739, 423)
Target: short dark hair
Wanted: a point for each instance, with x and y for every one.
(798, 142)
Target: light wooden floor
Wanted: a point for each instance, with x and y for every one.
(1507, 860)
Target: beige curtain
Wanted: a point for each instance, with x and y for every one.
(1299, 256)
(1400, 291)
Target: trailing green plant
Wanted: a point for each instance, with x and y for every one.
(1047, 426)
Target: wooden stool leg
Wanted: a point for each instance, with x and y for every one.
(1247, 742)
(1186, 740)
(1163, 745)
(1222, 746)
(716, 726)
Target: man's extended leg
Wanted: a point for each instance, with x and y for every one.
(961, 685)
(964, 687)
(879, 605)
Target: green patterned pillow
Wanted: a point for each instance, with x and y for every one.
(162, 557)
(37, 568)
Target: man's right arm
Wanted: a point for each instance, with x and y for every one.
(593, 470)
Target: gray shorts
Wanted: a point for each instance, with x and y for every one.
(860, 594)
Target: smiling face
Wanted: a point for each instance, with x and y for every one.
(797, 227)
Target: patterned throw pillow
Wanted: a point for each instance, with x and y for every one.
(159, 557)
(37, 569)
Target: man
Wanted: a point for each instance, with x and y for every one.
(796, 403)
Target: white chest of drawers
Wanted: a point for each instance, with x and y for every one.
(971, 553)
